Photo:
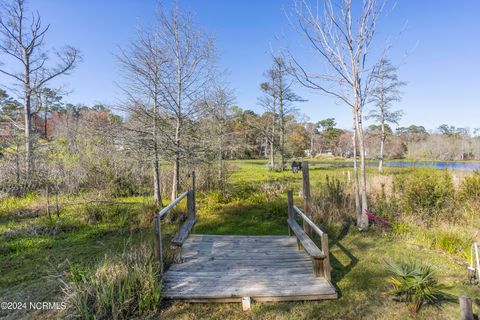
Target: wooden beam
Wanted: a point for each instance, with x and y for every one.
(326, 261)
(308, 221)
(190, 204)
(307, 243)
(172, 204)
(158, 241)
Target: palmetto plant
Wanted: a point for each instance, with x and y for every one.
(415, 284)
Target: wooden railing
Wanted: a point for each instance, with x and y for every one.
(177, 241)
(320, 257)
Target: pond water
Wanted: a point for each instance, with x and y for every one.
(429, 164)
(415, 164)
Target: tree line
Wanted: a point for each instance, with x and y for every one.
(177, 114)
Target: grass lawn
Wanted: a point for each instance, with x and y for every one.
(32, 259)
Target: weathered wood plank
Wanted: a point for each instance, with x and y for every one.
(246, 269)
(227, 268)
(307, 243)
(182, 234)
(263, 299)
(265, 283)
(214, 292)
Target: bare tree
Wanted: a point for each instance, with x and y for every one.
(142, 66)
(385, 92)
(22, 41)
(219, 110)
(343, 42)
(187, 74)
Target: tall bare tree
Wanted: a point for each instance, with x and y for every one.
(22, 41)
(219, 111)
(385, 92)
(188, 72)
(142, 65)
(342, 38)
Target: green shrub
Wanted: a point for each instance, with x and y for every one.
(426, 194)
(469, 189)
(333, 203)
(415, 284)
(119, 287)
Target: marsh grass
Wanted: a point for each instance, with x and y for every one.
(118, 287)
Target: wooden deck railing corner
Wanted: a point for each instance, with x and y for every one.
(320, 257)
(182, 234)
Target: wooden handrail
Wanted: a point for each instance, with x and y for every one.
(172, 204)
(307, 219)
(158, 225)
(191, 208)
(322, 266)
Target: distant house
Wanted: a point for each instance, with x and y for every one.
(5, 130)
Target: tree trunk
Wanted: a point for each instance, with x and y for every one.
(311, 144)
(272, 154)
(363, 223)
(282, 118)
(272, 141)
(28, 117)
(220, 156)
(356, 188)
(382, 145)
(157, 197)
(176, 163)
(157, 191)
(45, 115)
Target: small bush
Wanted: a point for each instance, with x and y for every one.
(415, 284)
(426, 194)
(469, 189)
(119, 287)
(333, 203)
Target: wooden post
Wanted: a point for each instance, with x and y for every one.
(290, 208)
(290, 203)
(158, 242)
(190, 204)
(318, 267)
(326, 261)
(194, 207)
(307, 205)
(466, 311)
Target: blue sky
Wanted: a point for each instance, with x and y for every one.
(438, 51)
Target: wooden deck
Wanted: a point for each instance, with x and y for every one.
(226, 268)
